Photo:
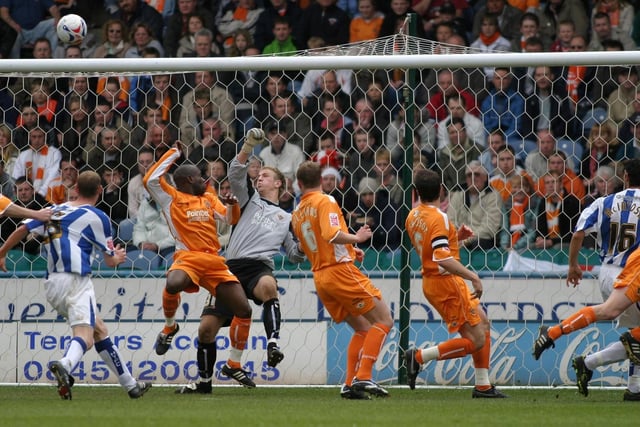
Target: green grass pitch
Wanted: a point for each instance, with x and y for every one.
(312, 406)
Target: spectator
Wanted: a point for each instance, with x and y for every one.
(621, 100)
(105, 117)
(245, 93)
(26, 197)
(366, 25)
(42, 48)
(452, 159)
(546, 108)
(334, 120)
(118, 98)
(556, 11)
(187, 43)
(362, 161)
(78, 87)
(375, 210)
(621, 15)
(242, 40)
(275, 83)
(215, 172)
(326, 20)
(113, 200)
(387, 176)
(215, 144)
(576, 78)
(496, 142)
(140, 85)
(328, 154)
(109, 148)
(508, 18)
(163, 94)
(503, 109)
(147, 117)
(439, 12)
(38, 162)
(282, 43)
(178, 23)
(327, 83)
(529, 27)
(74, 138)
(478, 206)
(136, 192)
(28, 120)
(6, 183)
(524, 75)
(536, 162)
(603, 148)
(520, 215)
(151, 231)
(604, 81)
(604, 182)
(557, 213)
(142, 37)
(7, 39)
(285, 111)
(133, 11)
(242, 14)
(571, 182)
(30, 22)
(273, 9)
(280, 153)
(603, 30)
(396, 17)
(384, 100)
(115, 40)
(346, 198)
(490, 41)
(424, 137)
(456, 105)
(449, 85)
(8, 152)
(253, 169)
(565, 32)
(506, 168)
(61, 186)
(207, 99)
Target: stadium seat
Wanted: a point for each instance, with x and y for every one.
(141, 260)
(125, 230)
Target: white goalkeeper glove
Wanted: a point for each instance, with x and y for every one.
(254, 137)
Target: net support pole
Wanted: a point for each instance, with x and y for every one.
(404, 314)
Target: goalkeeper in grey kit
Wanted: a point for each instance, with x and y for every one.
(262, 230)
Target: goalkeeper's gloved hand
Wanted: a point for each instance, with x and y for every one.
(254, 137)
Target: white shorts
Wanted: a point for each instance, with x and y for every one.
(630, 318)
(73, 297)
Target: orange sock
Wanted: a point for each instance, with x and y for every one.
(353, 354)
(170, 303)
(370, 349)
(481, 357)
(635, 332)
(455, 347)
(578, 320)
(239, 332)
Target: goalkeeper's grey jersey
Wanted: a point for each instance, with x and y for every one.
(263, 227)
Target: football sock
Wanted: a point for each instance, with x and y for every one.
(634, 378)
(271, 318)
(578, 320)
(239, 334)
(635, 333)
(170, 303)
(481, 356)
(206, 355)
(353, 354)
(614, 352)
(371, 347)
(111, 356)
(453, 348)
(77, 348)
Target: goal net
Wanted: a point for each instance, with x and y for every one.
(370, 113)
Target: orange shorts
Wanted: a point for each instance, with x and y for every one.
(205, 270)
(344, 290)
(629, 277)
(451, 297)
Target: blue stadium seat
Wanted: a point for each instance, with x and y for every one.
(141, 260)
(125, 230)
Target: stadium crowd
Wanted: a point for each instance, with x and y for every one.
(521, 151)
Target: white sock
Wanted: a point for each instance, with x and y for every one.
(111, 356)
(235, 355)
(634, 378)
(612, 353)
(170, 321)
(430, 353)
(75, 351)
(482, 376)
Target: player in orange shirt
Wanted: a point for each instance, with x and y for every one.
(435, 239)
(347, 294)
(8, 208)
(191, 214)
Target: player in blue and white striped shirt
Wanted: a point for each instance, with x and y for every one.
(74, 231)
(615, 220)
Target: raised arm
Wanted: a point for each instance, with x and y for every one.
(13, 239)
